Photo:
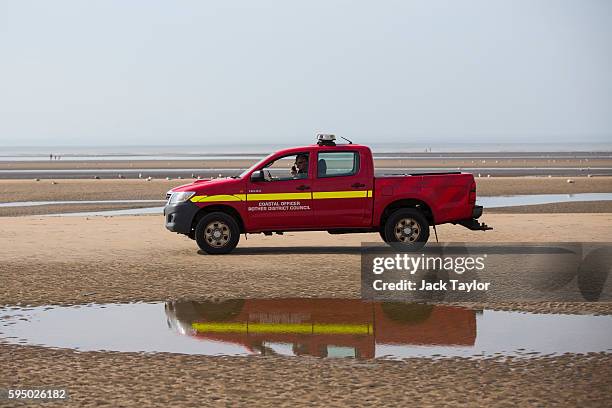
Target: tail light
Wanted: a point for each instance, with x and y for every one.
(472, 196)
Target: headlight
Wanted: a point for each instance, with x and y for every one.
(180, 197)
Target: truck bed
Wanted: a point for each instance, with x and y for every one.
(447, 194)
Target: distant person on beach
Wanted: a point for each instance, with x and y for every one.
(300, 169)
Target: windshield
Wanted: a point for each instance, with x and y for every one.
(244, 173)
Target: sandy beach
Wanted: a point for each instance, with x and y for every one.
(489, 164)
(80, 260)
(125, 189)
(246, 163)
(134, 380)
(84, 260)
(130, 189)
(456, 160)
(97, 259)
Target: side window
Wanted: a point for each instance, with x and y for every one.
(334, 164)
(285, 168)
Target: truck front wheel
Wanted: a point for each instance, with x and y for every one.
(406, 229)
(217, 233)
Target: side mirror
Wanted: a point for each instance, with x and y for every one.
(257, 175)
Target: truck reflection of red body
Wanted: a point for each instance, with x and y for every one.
(336, 324)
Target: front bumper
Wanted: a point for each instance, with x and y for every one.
(179, 217)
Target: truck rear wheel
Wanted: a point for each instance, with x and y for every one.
(406, 229)
(217, 233)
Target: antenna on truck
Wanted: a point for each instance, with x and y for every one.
(349, 142)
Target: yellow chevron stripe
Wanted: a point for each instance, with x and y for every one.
(220, 197)
(279, 196)
(321, 195)
(290, 328)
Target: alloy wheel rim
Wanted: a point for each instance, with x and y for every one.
(217, 234)
(407, 230)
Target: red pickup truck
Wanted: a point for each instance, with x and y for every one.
(322, 187)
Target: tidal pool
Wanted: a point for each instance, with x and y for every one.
(306, 327)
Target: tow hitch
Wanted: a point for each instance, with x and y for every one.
(472, 223)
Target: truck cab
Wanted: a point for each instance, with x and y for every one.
(326, 186)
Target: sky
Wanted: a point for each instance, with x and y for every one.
(232, 72)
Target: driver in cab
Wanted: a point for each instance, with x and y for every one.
(300, 169)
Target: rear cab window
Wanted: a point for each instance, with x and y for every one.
(337, 164)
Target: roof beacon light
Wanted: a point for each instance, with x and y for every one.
(325, 139)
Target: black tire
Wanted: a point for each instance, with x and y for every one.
(228, 233)
(418, 234)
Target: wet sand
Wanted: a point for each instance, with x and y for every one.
(68, 208)
(555, 208)
(120, 259)
(495, 186)
(66, 190)
(133, 258)
(506, 165)
(246, 163)
(88, 189)
(134, 380)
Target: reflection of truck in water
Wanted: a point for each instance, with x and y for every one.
(323, 327)
(323, 187)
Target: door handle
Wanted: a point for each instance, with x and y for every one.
(357, 185)
(303, 187)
